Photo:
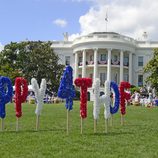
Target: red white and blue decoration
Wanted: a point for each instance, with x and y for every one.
(21, 92)
(116, 96)
(39, 94)
(6, 92)
(124, 96)
(66, 89)
(107, 100)
(84, 84)
(97, 100)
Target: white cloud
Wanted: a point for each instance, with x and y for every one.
(131, 18)
(60, 22)
(1, 47)
(74, 36)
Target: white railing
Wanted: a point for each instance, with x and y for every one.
(148, 44)
(104, 37)
(56, 44)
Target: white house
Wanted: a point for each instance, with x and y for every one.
(107, 55)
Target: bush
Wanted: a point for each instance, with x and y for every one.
(77, 95)
(134, 89)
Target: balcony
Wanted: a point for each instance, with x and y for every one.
(90, 62)
(102, 62)
(80, 63)
(126, 64)
(103, 37)
(114, 63)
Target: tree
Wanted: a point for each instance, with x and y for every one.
(152, 69)
(31, 59)
(8, 59)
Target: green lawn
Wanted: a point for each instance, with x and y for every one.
(137, 138)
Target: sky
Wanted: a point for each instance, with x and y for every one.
(48, 19)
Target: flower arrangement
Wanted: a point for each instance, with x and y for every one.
(6, 91)
(115, 108)
(21, 92)
(66, 89)
(83, 83)
(124, 96)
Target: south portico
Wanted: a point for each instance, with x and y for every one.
(107, 56)
(96, 61)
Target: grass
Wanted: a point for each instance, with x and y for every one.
(137, 138)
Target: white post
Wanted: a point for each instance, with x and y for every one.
(121, 65)
(109, 66)
(130, 68)
(76, 66)
(95, 71)
(84, 64)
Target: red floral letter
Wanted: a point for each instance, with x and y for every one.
(84, 83)
(124, 96)
(21, 92)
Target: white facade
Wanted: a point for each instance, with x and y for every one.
(106, 55)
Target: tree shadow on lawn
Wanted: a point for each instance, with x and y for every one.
(33, 131)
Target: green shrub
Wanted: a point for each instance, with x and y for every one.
(77, 95)
(134, 89)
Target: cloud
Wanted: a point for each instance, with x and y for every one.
(130, 18)
(74, 36)
(60, 22)
(1, 47)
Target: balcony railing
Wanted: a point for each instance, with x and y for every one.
(104, 63)
(90, 62)
(115, 62)
(126, 64)
(80, 63)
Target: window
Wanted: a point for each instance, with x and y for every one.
(115, 58)
(103, 57)
(91, 57)
(140, 61)
(91, 76)
(125, 77)
(140, 80)
(126, 61)
(102, 78)
(67, 60)
(115, 78)
(80, 59)
(79, 76)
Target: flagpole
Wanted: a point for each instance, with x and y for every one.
(106, 19)
(106, 25)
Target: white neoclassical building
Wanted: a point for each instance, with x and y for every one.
(106, 55)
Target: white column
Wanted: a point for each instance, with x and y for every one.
(121, 65)
(95, 71)
(84, 63)
(130, 68)
(76, 66)
(109, 66)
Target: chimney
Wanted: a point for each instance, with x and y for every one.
(145, 36)
(66, 36)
